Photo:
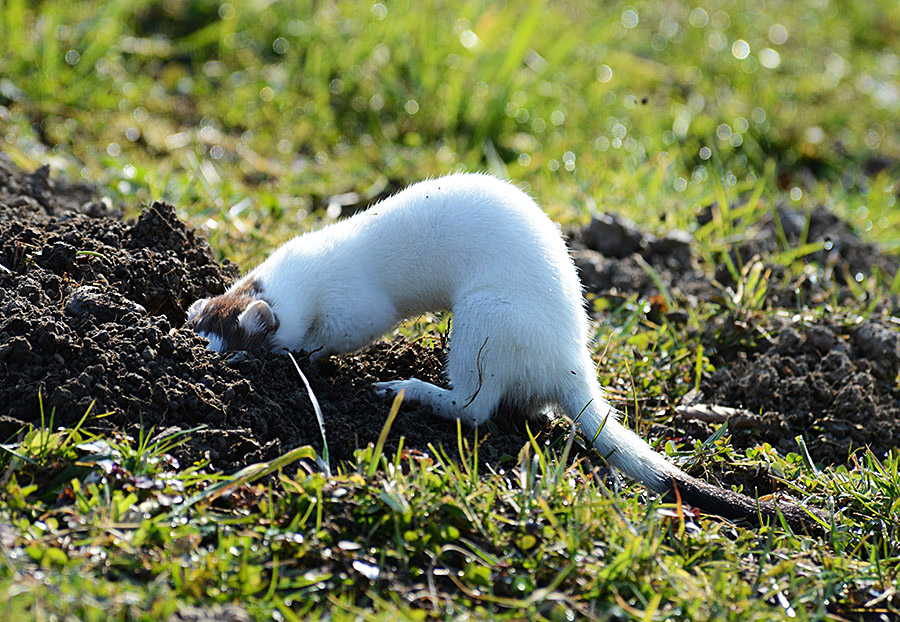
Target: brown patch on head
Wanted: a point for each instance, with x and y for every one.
(224, 322)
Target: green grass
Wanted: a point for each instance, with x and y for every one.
(248, 116)
(421, 533)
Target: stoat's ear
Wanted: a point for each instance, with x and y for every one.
(196, 308)
(258, 317)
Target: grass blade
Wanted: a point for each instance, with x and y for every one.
(379, 445)
(246, 475)
(325, 463)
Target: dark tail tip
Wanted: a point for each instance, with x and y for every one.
(733, 505)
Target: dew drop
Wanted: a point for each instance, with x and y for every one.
(698, 18)
(280, 45)
(468, 39)
(604, 73)
(778, 34)
(740, 49)
(630, 18)
(769, 58)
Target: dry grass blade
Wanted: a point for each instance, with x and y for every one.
(323, 462)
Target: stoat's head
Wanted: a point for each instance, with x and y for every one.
(239, 319)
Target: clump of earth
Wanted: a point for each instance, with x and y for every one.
(617, 258)
(92, 308)
(833, 384)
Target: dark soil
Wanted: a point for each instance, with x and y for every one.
(91, 309)
(834, 385)
(615, 258)
(844, 256)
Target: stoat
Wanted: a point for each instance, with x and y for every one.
(483, 249)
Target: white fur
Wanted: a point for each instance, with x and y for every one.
(216, 343)
(197, 308)
(483, 249)
(257, 316)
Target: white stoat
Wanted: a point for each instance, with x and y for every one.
(485, 250)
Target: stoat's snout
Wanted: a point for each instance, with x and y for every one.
(239, 319)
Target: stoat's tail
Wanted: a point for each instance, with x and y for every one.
(626, 451)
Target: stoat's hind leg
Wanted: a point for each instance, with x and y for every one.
(479, 367)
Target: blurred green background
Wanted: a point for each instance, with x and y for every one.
(254, 117)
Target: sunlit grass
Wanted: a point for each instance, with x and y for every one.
(547, 538)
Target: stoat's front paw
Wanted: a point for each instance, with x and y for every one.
(389, 388)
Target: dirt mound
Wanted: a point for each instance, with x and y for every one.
(89, 311)
(834, 385)
(36, 193)
(843, 255)
(615, 257)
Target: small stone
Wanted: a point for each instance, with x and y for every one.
(820, 338)
(678, 317)
(877, 342)
(789, 340)
(102, 305)
(673, 249)
(613, 236)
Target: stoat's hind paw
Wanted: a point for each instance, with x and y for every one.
(415, 390)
